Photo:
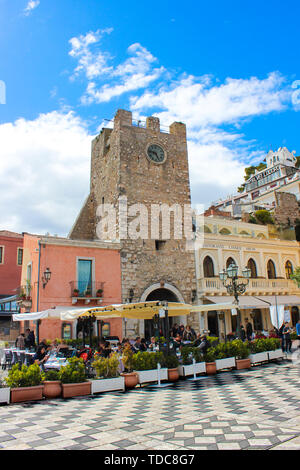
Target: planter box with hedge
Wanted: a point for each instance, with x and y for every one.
(145, 364)
(259, 351)
(223, 357)
(188, 368)
(73, 379)
(107, 373)
(4, 393)
(25, 383)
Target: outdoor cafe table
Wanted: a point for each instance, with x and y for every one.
(20, 355)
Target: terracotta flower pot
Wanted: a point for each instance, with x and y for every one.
(131, 380)
(211, 368)
(18, 395)
(243, 363)
(76, 390)
(173, 375)
(52, 388)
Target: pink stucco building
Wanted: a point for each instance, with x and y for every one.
(82, 274)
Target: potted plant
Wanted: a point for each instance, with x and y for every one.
(107, 374)
(146, 366)
(223, 357)
(172, 363)
(131, 378)
(73, 379)
(258, 350)
(99, 292)
(88, 292)
(241, 352)
(191, 362)
(75, 292)
(4, 393)
(210, 363)
(52, 384)
(25, 383)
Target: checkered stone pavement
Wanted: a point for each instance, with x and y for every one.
(255, 409)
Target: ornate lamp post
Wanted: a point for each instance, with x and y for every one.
(229, 278)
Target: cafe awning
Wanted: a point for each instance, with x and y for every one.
(62, 313)
(147, 310)
(263, 301)
(245, 301)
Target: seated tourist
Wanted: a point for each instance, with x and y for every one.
(152, 345)
(41, 356)
(204, 344)
(189, 334)
(143, 345)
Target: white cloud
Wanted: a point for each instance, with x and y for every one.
(91, 64)
(136, 72)
(44, 172)
(217, 156)
(31, 5)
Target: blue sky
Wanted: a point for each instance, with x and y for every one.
(225, 68)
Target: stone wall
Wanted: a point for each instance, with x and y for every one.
(287, 208)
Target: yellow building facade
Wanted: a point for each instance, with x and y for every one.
(271, 261)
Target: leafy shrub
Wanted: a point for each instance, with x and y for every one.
(107, 367)
(170, 362)
(51, 375)
(127, 358)
(213, 340)
(210, 355)
(73, 372)
(25, 377)
(238, 349)
(188, 353)
(147, 360)
(264, 344)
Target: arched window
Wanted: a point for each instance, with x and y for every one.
(252, 266)
(208, 267)
(225, 231)
(229, 262)
(288, 269)
(271, 270)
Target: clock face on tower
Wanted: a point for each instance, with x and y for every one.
(156, 154)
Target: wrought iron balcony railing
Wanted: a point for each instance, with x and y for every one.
(85, 289)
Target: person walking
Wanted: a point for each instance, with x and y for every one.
(286, 333)
(298, 332)
(20, 342)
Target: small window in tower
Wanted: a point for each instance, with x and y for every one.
(160, 245)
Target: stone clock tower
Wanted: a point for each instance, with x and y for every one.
(142, 165)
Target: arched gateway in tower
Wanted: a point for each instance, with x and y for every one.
(145, 168)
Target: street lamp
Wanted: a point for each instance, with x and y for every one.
(229, 278)
(46, 277)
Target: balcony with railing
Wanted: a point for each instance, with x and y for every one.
(87, 291)
(24, 296)
(258, 286)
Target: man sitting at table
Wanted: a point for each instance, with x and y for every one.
(41, 356)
